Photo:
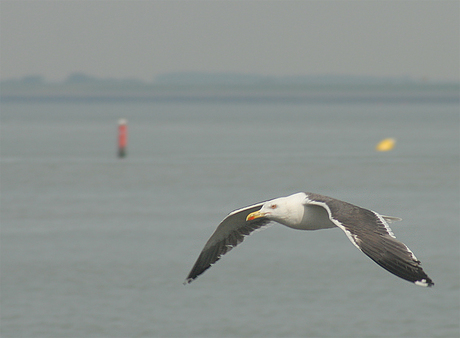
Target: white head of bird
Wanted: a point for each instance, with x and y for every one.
(285, 210)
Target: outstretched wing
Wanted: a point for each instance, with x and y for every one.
(370, 233)
(230, 232)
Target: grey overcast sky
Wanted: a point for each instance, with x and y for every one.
(142, 39)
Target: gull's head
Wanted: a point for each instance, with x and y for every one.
(285, 210)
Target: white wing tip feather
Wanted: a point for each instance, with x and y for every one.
(422, 282)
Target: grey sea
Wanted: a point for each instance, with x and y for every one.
(97, 246)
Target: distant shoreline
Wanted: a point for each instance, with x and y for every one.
(246, 93)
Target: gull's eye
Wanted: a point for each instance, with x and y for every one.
(273, 206)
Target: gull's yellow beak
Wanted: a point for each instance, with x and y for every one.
(254, 215)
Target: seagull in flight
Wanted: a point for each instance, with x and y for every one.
(366, 229)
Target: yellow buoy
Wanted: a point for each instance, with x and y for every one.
(386, 144)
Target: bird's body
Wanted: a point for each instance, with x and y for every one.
(366, 229)
(292, 212)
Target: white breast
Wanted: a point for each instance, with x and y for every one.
(312, 217)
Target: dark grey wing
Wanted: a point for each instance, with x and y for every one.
(230, 232)
(370, 233)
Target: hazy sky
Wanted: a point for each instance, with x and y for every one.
(145, 38)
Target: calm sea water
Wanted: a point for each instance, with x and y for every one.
(96, 246)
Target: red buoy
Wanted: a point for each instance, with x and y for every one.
(122, 137)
